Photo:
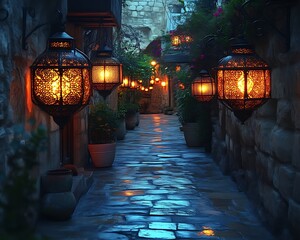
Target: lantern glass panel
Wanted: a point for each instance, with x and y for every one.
(106, 74)
(203, 88)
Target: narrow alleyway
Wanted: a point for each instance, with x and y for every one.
(159, 189)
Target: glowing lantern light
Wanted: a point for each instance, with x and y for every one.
(175, 40)
(244, 81)
(61, 79)
(106, 72)
(203, 87)
(163, 83)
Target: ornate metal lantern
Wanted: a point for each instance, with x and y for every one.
(203, 87)
(106, 72)
(244, 81)
(61, 79)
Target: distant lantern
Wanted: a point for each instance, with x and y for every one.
(106, 72)
(61, 79)
(126, 82)
(175, 40)
(203, 87)
(244, 81)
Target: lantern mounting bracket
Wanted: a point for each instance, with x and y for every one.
(31, 12)
(25, 36)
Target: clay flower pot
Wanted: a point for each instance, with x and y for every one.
(57, 180)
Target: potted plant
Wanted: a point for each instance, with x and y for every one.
(195, 119)
(121, 129)
(131, 115)
(103, 123)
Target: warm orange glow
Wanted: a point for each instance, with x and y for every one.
(207, 232)
(129, 193)
(241, 84)
(175, 40)
(142, 88)
(188, 39)
(153, 63)
(28, 92)
(163, 83)
(181, 86)
(178, 68)
(151, 87)
(146, 89)
(203, 87)
(152, 81)
(133, 84)
(157, 79)
(127, 181)
(105, 74)
(125, 82)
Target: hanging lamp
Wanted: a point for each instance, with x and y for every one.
(203, 88)
(106, 71)
(244, 81)
(61, 79)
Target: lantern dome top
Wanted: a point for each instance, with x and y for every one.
(242, 56)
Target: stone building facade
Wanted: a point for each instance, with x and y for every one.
(263, 155)
(154, 18)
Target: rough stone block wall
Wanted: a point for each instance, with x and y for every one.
(16, 107)
(146, 16)
(263, 155)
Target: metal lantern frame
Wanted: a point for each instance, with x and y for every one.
(244, 81)
(203, 88)
(61, 78)
(106, 72)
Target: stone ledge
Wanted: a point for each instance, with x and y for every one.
(81, 183)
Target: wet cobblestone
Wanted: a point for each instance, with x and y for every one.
(158, 188)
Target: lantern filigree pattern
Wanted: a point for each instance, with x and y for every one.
(203, 87)
(244, 81)
(61, 82)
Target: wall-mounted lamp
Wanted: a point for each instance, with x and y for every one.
(203, 87)
(244, 81)
(61, 80)
(106, 71)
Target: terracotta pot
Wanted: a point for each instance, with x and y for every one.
(121, 130)
(191, 133)
(102, 155)
(57, 180)
(58, 206)
(131, 121)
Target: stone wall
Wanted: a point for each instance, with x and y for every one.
(16, 107)
(148, 17)
(263, 155)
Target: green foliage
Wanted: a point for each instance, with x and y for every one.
(136, 65)
(103, 122)
(19, 193)
(129, 99)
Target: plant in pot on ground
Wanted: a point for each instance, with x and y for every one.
(103, 122)
(194, 117)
